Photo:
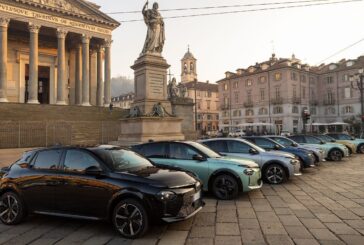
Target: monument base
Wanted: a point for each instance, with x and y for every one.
(143, 129)
(183, 108)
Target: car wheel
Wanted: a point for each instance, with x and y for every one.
(335, 155)
(361, 148)
(130, 219)
(275, 174)
(12, 210)
(225, 187)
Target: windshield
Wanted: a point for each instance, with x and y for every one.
(326, 138)
(284, 141)
(123, 160)
(313, 140)
(345, 137)
(207, 151)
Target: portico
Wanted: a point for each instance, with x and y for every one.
(55, 52)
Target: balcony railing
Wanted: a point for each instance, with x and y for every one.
(329, 102)
(277, 101)
(248, 104)
(296, 100)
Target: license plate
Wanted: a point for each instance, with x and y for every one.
(196, 196)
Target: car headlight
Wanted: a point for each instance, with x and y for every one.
(198, 185)
(249, 171)
(293, 161)
(166, 195)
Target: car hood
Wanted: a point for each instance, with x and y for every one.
(294, 150)
(158, 177)
(235, 161)
(335, 145)
(357, 141)
(278, 153)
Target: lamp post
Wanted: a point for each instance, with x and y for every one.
(357, 82)
(195, 85)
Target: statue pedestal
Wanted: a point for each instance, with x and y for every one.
(142, 129)
(150, 80)
(183, 108)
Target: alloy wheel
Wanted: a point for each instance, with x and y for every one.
(225, 187)
(275, 174)
(129, 220)
(336, 155)
(361, 149)
(9, 209)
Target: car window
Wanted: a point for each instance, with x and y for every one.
(238, 147)
(298, 139)
(344, 137)
(283, 141)
(312, 140)
(79, 161)
(48, 159)
(217, 145)
(264, 143)
(155, 150)
(182, 151)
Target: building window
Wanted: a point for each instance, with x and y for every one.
(303, 78)
(304, 92)
(329, 80)
(348, 109)
(278, 93)
(236, 96)
(278, 76)
(313, 110)
(249, 83)
(294, 76)
(236, 85)
(208, 104)
(249, 96)
(262, 94)
(249, 112)
(209, 94)
(262, 79)
(295, 110)
(225, 87)
(330, 110)
(263, 111)
(226, 102)
(348, 93)
(294, 91)
(278, 110)
(209, 117)
(198, 104)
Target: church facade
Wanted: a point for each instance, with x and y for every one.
(55, 52)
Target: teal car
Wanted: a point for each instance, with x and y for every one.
(333, 151)
(224, 176)
(359, 143)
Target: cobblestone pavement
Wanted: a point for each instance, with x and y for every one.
(324, 206)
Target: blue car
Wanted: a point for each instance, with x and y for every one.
(306, 157)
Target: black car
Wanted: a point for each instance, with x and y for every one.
(102, 183)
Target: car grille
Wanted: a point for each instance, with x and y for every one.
(189, 205)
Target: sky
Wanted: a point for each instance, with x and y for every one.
(227, 42)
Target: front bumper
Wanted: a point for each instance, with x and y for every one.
(254, 180)
(309, 161)
(296, 168)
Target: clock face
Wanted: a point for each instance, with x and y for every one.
(332, 67)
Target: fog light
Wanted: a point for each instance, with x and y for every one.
(166, 195)
(249, 171)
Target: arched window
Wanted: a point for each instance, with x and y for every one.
(249, 112)
(185, 67)
(192, 68)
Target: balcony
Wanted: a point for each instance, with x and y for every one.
(296, 101)
(329, 102)
(277, 101)
(248, 104)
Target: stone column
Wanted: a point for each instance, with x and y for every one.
(99, 97)
(86, 70)
(4, 23)
(33, 64)
(78, 77)
(61, 74)
(107, 82)
(91, 71)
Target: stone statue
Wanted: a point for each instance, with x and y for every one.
(158, 110)
(135, 112)
(172, 89)
(155, 36)
(182, 90)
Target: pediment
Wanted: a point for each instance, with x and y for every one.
(82, 9)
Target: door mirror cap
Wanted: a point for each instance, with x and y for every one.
(94, 171)
(294, 144)
(322, 143)
(198, 157)
(253, 151)
(277, 147)
(352, 138)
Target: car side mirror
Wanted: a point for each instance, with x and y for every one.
(352, 138)
(24, 165)
(253, 151)
(322, 143)
(199, 158)
(294, 144)
(276, 147)
(94, 171)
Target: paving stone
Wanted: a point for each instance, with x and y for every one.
(356, 224)
(273, 228)
(203, 232)
(246, 213)
(289, 220)
(181, 226)
(298, 232)
(205, 219)
(230, 240)
(346, 214)
(306, 242)
(303, 214)
(226, 229)
(341, 229)
(249, 224)
(279, 240)
(173, 237)
(267, 216)
(312, 223)
(200, 241)
(208, 209)
(252, 237)
(227, 216)
(353, 240)
(323, 234)
(283, 211)
(326, 218)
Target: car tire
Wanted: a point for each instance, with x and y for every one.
(335, 155)
(225, 187)
(12, 209)
(361, 149)
(274, 174)
(130, 219)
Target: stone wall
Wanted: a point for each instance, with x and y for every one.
(23, 125)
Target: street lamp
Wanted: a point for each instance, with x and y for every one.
(357, 82)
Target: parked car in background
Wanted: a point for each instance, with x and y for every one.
(102, 183)
(276, 167)
(222, 175)
(351, 146)
(318, 151)
(359, 143)
(306, 157)
(335, 152)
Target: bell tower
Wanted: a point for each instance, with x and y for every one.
(188, 67)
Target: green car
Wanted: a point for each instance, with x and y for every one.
(359, 143)
(224, 176)
(333, 151)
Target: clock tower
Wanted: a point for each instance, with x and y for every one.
(188, 67)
